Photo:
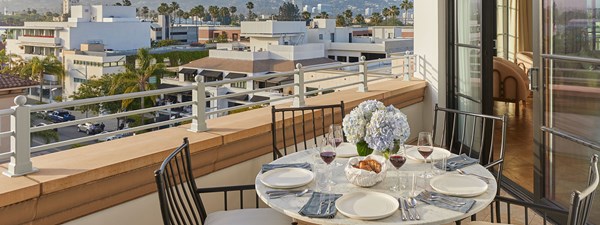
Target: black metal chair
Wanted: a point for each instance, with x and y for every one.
(315, 122)
(581, 201)
(465, 133)
(181, 203)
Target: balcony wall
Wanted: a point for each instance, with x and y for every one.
(113, 183)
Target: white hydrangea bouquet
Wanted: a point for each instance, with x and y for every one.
(374, 127)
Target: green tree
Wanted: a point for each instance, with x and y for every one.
(323, 15)
(180, 13)
(348, 16)
(163, 9)
(222, 38)
(213, 10)
(97, 87)
(224, 15)
(197, 12)
(36, 68)
(340, 21)
(144, 12)
(360, 19)
(250, 7)
(136, 78)
(385, 12)
(376, 19)
(126, 3)
(306, 15)
(173, 9)
(394, 12)
(406, 5)
(288, 12)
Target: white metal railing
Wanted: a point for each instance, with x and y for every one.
(20, 114)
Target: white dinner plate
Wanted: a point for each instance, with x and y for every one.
(287, 177)
(346, 150)
(438, 153)
(367, 205)
(458, 185)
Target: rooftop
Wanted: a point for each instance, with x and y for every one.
(9, 81)
(256, 66)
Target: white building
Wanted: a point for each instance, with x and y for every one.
(348, 44)
(324, 8)
(368, 11)
(91, 62)
(114, 26)
(66, 5)
(162, 30)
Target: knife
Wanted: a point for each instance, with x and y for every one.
(410, 216)
(402, 210)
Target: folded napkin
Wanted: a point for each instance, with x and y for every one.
(459, 162)
(267, 167)
(442, 204)
(320, 205)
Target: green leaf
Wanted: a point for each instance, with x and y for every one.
(363, 148)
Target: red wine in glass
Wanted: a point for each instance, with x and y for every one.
(397, 160)
(425, 151)
(327, 157)
(337, 141)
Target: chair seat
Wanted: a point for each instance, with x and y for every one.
(262, 216)
(485, 223)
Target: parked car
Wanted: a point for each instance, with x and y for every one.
(60, 116)
(90, 128)
(109, 138)
(44, 124)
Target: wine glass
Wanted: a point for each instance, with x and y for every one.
(327, 154)
(425, 148)
(336, 136)
(397, 158)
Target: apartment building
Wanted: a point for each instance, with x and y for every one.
(116, 27)
(209, 33)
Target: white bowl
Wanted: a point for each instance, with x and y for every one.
(364, 178)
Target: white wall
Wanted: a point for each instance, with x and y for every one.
(117, 36)
(272, 27)
(299, 52)
(430, 50)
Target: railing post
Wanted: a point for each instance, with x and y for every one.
(20, 161)
(407, 66)
(362, 76)
(299, 87)
(199, 106)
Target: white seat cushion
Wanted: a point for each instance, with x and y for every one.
(262, 216)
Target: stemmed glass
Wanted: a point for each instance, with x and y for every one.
(425, 148)
(336, 137)
(327, 153)
(397, 158)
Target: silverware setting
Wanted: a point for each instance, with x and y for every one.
(280, 193)
(427, 195)
(328, 206)
(412, 203)
(402, 209)
(410, 215)
(486, 179)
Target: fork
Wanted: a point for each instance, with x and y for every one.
(450, 202)
(486, 179)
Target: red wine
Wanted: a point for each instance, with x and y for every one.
(327, 157)
(397, 160)
(338, 141)
(425, 151)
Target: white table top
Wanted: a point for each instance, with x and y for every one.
(290, 205)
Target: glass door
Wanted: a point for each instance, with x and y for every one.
(470, 57)
(566, 95)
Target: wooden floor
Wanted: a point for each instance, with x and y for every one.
(519, 157)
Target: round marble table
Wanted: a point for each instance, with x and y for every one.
(290, 205)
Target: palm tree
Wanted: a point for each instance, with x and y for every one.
(144, 12)
(250, 7)
(406, 5)
(173, 9)
(376, 18)
(394, 12)
(163, 9)
(360, 19)
(197, 12)
(306, 15)
(136, 79)
(324, 15)
(224, 13)
(348, 15)
(213, 10)
(180, 13)
(36, 68)
(385, 12)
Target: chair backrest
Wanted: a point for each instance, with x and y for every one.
(307, 123)
(466, 132)
(510, 82)
(179, 202)
(581, 201)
